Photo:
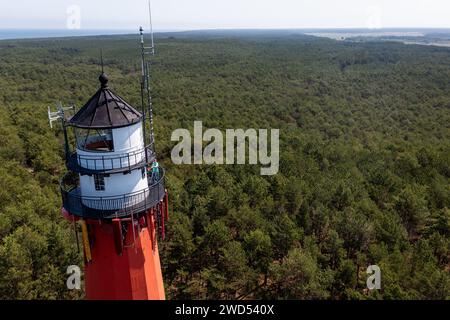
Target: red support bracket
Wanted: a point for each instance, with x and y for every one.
(118, 237)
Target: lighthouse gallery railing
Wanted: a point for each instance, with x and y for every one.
(85, 164)
(110, 206)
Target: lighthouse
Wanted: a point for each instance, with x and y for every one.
(114, 192)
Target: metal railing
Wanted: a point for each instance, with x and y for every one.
(110, 206)
(87, 164)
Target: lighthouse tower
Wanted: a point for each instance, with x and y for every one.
(115, 191)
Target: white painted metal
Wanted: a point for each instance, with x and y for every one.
(115, 185)
(127, 141)
(128, 151)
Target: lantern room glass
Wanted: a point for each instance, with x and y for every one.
(95, 140)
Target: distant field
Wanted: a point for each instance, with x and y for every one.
(419, 37)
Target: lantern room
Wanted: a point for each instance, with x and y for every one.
(109, 133)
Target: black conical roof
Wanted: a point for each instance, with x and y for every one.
(105, 110)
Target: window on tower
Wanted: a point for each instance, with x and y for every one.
(99, 181)
(98, 140)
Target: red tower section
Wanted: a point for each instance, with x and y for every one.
(122, 264)
(136, 274)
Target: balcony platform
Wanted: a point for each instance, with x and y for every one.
(110, 207)
(108, 164)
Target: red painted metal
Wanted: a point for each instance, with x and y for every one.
(166, 206)
(118, 237)
(69, 217)
(161, 214)
(134, 275)
(151, 227)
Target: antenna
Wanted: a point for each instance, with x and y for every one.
(60, 115)
(52, 117)
(57, 115)
(101, 59)
(146, 97)
(151, 26)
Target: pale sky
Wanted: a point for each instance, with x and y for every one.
(213, 14)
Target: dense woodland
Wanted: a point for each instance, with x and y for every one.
(364, 168)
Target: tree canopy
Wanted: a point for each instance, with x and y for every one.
(364, 164)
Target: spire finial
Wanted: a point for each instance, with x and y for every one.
(103, 80)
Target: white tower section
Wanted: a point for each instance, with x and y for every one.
(128, 146)
(110, 156)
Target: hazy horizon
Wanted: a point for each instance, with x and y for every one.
(16, 34)
(176, 15)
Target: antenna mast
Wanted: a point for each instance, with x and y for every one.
(151, 26)
(101, 59)
(60, 115)
(146, 97)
